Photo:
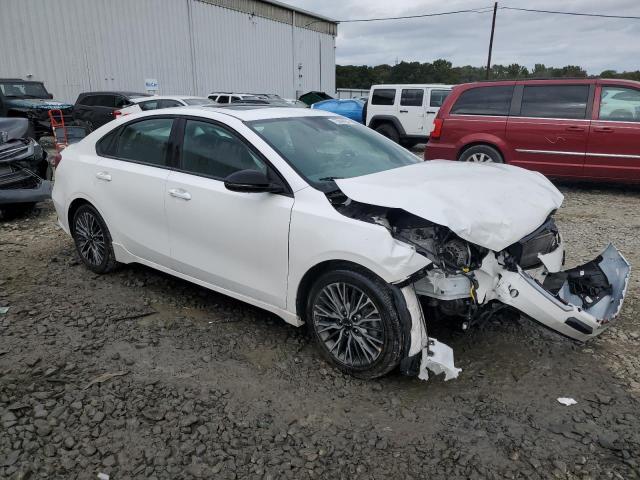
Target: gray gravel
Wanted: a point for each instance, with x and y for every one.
(139, 375)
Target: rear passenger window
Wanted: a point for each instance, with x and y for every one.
(223, 99)
(555, 101)
(145, 141)
(150, 105)
(437, 97)
(89, 100)
(620, 104)
(213, 151)
(412, 97)
(168, 104)
(122, 102)
(484, 101)
(383, 96)
(104, 101)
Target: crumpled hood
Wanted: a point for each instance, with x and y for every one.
(36, 103)
(491, 205)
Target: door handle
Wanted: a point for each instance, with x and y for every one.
(103, 176)
(574, 128)
(603, 129)
(431, 111)
(180, 193)
(404, 111)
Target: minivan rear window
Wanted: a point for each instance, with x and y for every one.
(383, 96)
(555, 101)
(494, 100)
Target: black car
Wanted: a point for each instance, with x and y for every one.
(23, 168)
(94, 109)
(31, 100)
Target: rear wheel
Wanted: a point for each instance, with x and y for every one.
(93, 241)
(481, 154)
(353, 318)
(388, 131)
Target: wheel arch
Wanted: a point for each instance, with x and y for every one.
(489, 143)
(378, 120)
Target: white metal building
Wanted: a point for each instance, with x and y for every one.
(188, 46)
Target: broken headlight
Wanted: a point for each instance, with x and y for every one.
(542, 241)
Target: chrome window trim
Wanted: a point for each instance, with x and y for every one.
(577, 154)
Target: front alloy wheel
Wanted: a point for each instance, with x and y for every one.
(348, 324)
(353, 317)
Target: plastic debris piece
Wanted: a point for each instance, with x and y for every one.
(438, 358)
(103, 476)
(3, 310)
(567, 401)
(104, 377)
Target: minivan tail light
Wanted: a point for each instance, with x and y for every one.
(436, 131)
(57, 158)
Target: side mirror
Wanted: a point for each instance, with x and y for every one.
(251, 181)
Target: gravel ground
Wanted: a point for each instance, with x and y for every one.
(139, 375)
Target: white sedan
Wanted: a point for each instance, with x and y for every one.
(156, 102)
(325, 222)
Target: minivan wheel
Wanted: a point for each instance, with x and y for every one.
(92, 239)
(352, 316)
(388, 131)
(481, 154)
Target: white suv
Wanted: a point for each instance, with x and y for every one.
(405, 113)
(226, 97)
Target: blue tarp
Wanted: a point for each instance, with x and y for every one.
(351, 108)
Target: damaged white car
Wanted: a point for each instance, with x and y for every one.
(325, 222)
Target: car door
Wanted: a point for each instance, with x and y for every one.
(130, 182)
(102, 110)
(548, 130)
(436, 97)
(614, 146)
(235, 241)
(411, 111)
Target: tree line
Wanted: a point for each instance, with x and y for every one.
(442, 71)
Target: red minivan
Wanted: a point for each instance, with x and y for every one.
(582, 129)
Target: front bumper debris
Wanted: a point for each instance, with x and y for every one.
(438, 358)
(579, 303)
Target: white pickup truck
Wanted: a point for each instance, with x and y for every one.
(404, 113)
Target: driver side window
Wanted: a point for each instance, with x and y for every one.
(213, 151)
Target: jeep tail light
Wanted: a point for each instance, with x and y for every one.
(436, 131)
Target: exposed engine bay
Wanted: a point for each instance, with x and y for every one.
(471, 283)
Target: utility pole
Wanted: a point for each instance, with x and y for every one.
(493, 28)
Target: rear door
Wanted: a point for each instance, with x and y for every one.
(411, 111)
(614, 137)
(382, 102)
(549, 127)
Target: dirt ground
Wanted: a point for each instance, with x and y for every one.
(139, 375)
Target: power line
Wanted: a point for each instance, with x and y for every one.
(578, 14)
(475, 10)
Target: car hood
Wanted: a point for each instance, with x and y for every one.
(491, 205)
(36, 103)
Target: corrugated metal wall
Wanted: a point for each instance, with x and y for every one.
(190, 46)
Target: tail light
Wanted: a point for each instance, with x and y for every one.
(436, 131)
(116, 113)
(56, 159)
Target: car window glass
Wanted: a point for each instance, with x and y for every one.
(437, 97)
(620, 104)
(145, 141)
(107, 144)
(168, 104)
(383, 96)
(412, 97)
(148, 105)
(213, 151)
(104, 101)
(495, 100)
(555, 101)
(89, 100)
(223, 99)
(121, 102)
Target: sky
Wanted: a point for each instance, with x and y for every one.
(595, 44)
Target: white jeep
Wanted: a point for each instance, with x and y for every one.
(404, 113)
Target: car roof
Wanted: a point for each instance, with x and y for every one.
(411, 85)
(115, 92)
(245, 113)
(165, 97)
(20, 80)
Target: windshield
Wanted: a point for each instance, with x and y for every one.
(197, 101)
(23, 90)
(323, 149)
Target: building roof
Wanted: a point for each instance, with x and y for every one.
(300, 10)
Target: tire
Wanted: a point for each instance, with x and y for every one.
(481, 154)
(388, 131)
(93, 241)
(409, 143)
(373, 345)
